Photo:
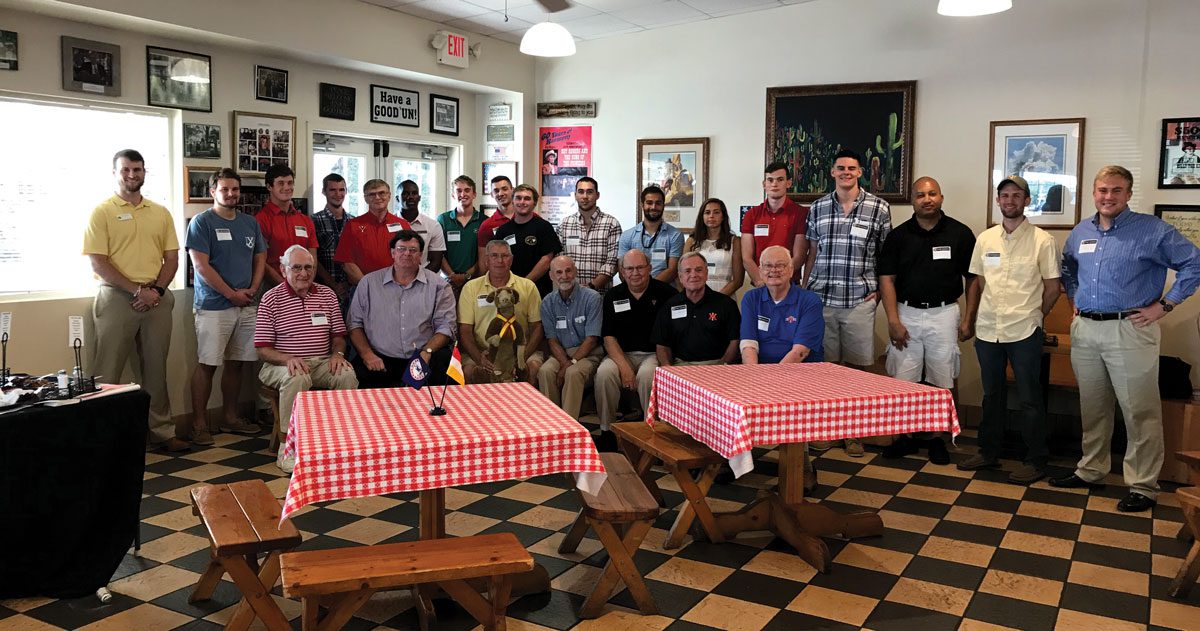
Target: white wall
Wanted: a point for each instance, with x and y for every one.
(1114, 62)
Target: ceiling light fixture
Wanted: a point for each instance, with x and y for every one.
(966, 8)
(548, 40)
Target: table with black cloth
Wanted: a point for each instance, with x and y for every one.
(70, 492)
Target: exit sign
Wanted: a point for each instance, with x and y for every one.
(455, 51)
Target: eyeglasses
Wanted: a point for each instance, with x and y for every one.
(296, 269)
(377, 194)
(409, 249)
(773, 265)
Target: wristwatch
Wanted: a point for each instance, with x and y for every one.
(1167, 307)
(429, 350)
(574, 361)
(160, 290)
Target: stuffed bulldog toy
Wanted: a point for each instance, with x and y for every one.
(505, 335)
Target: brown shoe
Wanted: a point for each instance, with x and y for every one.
(240, 426)
(174, 445)
(201, 436)
(1026, 474)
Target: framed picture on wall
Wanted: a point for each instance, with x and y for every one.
(680, 167)
(270, 84)
(395, 106)
(261, 140)
(1178, 162)
(201, 140)
(807, 125)
(9, 58)
(336, 101)
(92, 67)
(1185, 218)
(252, 199)
(493, 169)
(175, 78)
(443, 117)
(196, 182)
(1048, 153)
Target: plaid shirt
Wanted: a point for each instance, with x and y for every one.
(594, 251)
(329, 230)
(847, 248)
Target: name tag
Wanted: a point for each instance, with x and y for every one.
(318, 319)
(394, 227)
(712, 267)
(124, 217)
(560, 323)
(678, 311)
(941, 252)
(621, 306)
(481, 301)
(580, 319)
(572, 242)
(658, 255)
(1087, 246)
(764, 323)
(762, 230)
(859, 230)
(223, 234)
(991, 259)
(511, 239)
(301, 231)
(453, 237)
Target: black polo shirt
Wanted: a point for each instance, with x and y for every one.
(929, 265)
(704, 331)
(530, 241)
(630, 319)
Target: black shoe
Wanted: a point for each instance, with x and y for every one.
(1135, 503)
(1075, 482)
(901, 447)
(938, 454)
(606, 441)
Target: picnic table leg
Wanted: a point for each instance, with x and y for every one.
(695, 490)
(433, 513)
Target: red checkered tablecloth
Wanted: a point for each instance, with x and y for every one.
(732, 408)
(357, 443)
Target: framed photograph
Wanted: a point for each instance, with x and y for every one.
(1179, 164)
(201, 141)
(1048, 153)
(1186, 219)
(87, 66)
(443, 117)
(196, 180)
(395, 106)
(8, 50)
(252, 199)
(680, 167)
(270, 84)
(337, 101)
(179, 79)
(261, 140)
(808, 125)
(496, 168)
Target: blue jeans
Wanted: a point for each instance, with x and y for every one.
(1026, 359)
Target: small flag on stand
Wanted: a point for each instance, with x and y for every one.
(455, 370)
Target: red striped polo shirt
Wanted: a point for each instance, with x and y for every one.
(302, 327)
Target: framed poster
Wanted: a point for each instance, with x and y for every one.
(1178, 162)
(807, 125)
(252, 199)
(565, 155)
(337, 101)
(1048, 153)
(1185, 218)
(260, 140)
(179, 79)
(443, 114)
(680, 167)
(87, 66)
(201, 140)
(9, 58)
(196, 182)
(395, 106)
(493, 169)
(270, 84)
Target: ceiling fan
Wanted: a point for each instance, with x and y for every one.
(554, 6)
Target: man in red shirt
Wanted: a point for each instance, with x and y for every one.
(502, 192)
(777, 221)
(363, 247)
(281, 223)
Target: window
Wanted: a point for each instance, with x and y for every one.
(352, 168)
(425, 174)
(57, 168)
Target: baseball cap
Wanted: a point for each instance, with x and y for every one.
(1014, 179)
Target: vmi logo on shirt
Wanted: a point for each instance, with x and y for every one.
(250, 242)
(531, 240)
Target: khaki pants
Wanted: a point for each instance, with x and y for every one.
(574, 382)
(608, 384)
(318, 376)
(850, 334)
(1115, 361)
(122, 332)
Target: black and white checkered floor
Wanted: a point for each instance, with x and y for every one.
(961, 551)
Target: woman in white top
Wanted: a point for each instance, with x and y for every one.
(713, 238)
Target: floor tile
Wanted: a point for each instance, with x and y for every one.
(759, 588)
(368, 531)
(1103, 602)
(1120, 558)
(893, 616)
(908, 522)
(870, 558)
(1109, 578)
(172, 546)
(1114, 538)
(364, 506)
(996, 489)
(950, 573)
(791, 621)
(976, 533)
(1069, 620)
(1038, 544)
(957, 551)
(833, 605)
(145, 617)
(1022, 587)
(25, 623)
(621, 618)
(1165, 613)
(692, 574)
(928, 494)
(154, 582)
(933, 596)
(545, 517)
(1009, 612)
(780, 564)
(865, 499)
(978, 516)
(721, 612)
(1039, 510)
(530, 492)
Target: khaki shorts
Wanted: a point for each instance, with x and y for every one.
(225, 334)
(850, 334)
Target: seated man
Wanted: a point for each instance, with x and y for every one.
(300, 337)
(572, 317)
(399, 312)
(477, 312)
(700, 325)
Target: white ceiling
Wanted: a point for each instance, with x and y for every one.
(585, 19)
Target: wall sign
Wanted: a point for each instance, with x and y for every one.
(581, 109)
(394, 106)
(501, 133)
(454, 53)
(499, 112)
(337, 101)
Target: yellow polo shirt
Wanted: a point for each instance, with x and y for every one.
(134, 238)
(1013, 267)
(473, 309)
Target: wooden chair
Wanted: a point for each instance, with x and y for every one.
(623, 502)
(679, 453)
(343, 579)
(272, 397)
(242, 520)
(1189, 501)
(1192, 459)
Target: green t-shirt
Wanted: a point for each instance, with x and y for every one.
(461, 245)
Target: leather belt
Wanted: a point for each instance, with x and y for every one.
(1116, 315)
(927, 305)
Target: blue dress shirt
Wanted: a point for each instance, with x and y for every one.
(571, 321)
(797, 319)
(659, 247)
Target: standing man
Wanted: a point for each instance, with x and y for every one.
(424, 225)
(399, 312)
(699, 326)
(477, 311)
(1016, 269)
(228, 253)
(133, 249)
(665, 243)
(363, 247)
(502, 190)
(922, 267)
(590, 237)
(531, 238)
(777, 221)
(329, 223)
(571, 315)
(1114, 268)
(461, 227)
(281, 223)
(845, 231)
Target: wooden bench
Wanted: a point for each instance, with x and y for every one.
(343, 579)
(1189, 502)
(272, 397)
(1192, 460)
(242, 520)
(644, 444)
(624, 502)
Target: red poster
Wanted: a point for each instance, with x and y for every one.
(565, 155)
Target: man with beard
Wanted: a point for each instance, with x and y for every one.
(424, 225)
(1016, 266)
(132, 246)
(329, 223)
(282, 224)
(590, 237)
(661, 242)
(531, 238)
(571, 317)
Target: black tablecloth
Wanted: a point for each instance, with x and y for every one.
(70, 489)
